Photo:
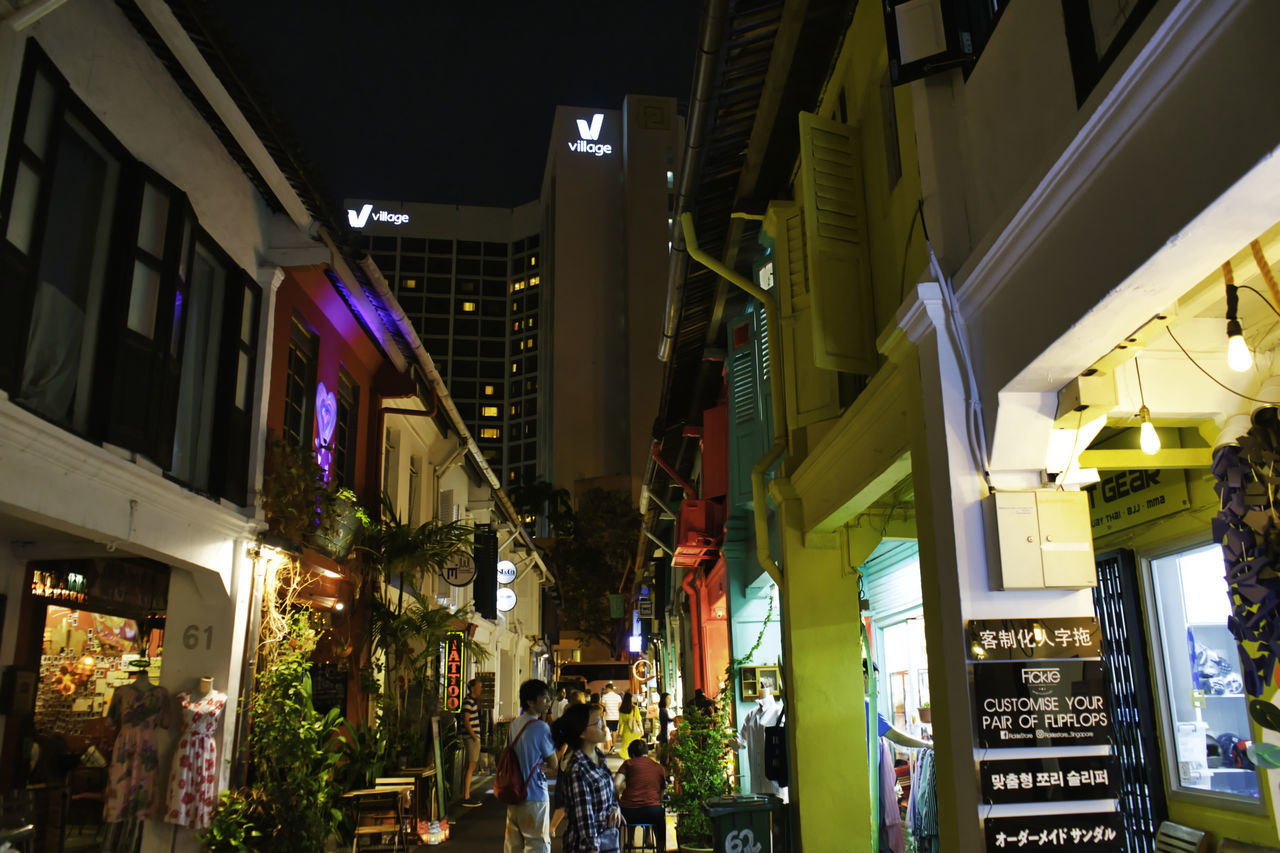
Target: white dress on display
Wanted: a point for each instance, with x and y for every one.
(193, 781)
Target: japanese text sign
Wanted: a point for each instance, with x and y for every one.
(1098, 831)
(1033, 639)
(455, 652)
(1044, 780)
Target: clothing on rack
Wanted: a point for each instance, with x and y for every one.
(890, 830)
(922, 811)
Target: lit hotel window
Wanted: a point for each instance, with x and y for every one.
(410, 283)
(490, 432)
(517, 285)
(671, 179)
(533, 260)
(515, 327)
(515, 368)
(535, 280)
(513, 411)
(488, 390)
(468, 306)
(489, 411)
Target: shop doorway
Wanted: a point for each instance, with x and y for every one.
(1126, 660)
(87, 628)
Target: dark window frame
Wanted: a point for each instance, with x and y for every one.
(1088, 66)
(301, 375)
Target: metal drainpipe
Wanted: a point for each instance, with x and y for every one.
(696, 129)
(656, 453)
(772, 329)
(695, 616)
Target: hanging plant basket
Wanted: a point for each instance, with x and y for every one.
(341, 522)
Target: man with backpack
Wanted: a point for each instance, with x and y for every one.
(528, 822)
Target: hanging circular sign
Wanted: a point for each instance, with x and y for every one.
(642, 669)
(506, 571)
(506, 598)
(460, 570)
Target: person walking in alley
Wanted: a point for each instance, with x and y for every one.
(471, 739)
(630, 727)
(612, 703)
(528, 824)
(558, 707)
(594, 818)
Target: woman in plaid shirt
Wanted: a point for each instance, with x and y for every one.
(594, 817)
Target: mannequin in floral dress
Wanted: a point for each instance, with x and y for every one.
(193, 780)
(137, 710)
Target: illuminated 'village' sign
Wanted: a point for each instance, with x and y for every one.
(454, 669)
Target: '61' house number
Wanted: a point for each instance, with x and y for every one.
(191, 636)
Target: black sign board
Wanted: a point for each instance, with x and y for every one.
(488, 695)
(1034, 639)
(328, 688)
(1050, 703)
(1048, 833)
(1047, 780)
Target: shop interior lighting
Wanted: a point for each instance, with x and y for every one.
(1148, 439)
(1239, 358)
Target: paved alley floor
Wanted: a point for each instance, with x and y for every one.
(480, 829)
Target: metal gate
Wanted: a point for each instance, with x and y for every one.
(1125, 655)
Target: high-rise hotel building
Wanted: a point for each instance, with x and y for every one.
(544, 319)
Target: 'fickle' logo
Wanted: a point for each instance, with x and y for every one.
(588, 134)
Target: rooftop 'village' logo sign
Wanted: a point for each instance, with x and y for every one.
(454, 668)
(588, 134)
(361, 218)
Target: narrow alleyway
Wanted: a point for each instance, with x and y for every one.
(480, 830)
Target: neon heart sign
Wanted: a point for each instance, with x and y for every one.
(326, 421)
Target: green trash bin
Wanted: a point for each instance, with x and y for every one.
(741, 824)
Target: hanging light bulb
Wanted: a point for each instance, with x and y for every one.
(1239, 358)
(1148, 439)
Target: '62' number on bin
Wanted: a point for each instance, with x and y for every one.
(741, 841)
(191, 636)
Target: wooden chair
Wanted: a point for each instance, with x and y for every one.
(381, 817)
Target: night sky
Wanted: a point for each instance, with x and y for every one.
(451, 102)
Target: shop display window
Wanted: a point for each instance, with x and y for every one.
(85, 656)
(904, 684)
(1207, 719)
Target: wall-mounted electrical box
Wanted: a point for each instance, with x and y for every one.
(1046, 541)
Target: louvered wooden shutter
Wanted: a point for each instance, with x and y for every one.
(743, 379)
(836, 255)
(811, 394)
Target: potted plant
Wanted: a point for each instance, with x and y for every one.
(292, 488)
(699, 759)
(926, 715)
(341, 520)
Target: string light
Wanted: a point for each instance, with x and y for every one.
(1239, 358)
(1148, 438)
